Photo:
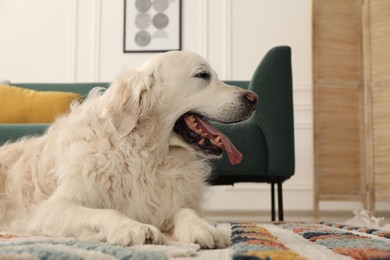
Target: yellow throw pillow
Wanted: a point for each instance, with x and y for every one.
(21, 105)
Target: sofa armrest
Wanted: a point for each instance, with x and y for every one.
(272, 82)
(238, 83)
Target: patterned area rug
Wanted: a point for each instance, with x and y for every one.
(45, 248)
(250, 241)
(253, 241)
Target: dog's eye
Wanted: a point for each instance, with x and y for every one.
(202, 75)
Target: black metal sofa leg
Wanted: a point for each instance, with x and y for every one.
(272, 201)
(280, 201)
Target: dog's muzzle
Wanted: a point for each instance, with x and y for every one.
(195, 130)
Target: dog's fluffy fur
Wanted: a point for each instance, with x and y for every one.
(113, 169)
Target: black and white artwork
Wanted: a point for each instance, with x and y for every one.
(152, 25)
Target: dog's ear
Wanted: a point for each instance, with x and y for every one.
(126, 99)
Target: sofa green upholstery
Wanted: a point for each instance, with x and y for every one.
(266, 140)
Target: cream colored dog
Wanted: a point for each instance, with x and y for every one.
(127, 164)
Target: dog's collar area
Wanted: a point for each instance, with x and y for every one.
(205, 137)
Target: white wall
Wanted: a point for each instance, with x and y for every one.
(82, 40)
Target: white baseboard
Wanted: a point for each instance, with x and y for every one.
(297, 196)
(338, 216)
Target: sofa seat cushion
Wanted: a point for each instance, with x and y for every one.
(13, 132)
(21, 105)
(249, 140)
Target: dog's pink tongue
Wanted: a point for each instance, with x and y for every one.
(235, 156)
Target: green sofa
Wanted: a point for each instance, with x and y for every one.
(266, 140)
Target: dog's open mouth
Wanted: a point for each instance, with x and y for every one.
(205, 137)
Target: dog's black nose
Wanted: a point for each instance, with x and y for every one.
(252, 98)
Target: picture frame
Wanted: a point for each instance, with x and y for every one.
(152, 25)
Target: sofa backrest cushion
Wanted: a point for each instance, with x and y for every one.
(21, 105)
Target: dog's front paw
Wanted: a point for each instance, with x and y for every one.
(201, 232)
(135, 234)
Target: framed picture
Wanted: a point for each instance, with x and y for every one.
(152, 25)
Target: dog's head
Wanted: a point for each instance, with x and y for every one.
(186, 92)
